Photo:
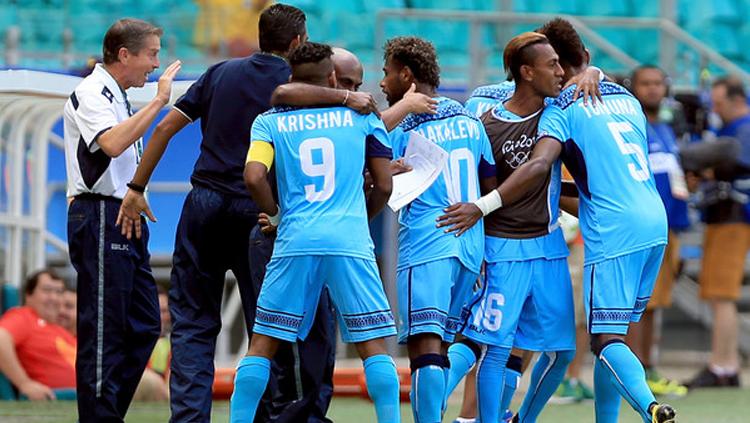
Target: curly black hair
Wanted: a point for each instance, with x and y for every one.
(566, 42)
(418, 54)
(309, 52)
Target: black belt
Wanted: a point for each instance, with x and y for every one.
(96, 197)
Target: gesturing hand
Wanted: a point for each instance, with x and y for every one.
(164, 86)
(129, 216)
(418, 102)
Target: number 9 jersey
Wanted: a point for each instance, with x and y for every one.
(463, 136)
(604, 148)
(320, 159)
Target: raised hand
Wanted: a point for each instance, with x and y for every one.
(164, 86)
(419, 103)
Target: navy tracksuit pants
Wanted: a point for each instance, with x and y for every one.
(212, 237)
(118, 308)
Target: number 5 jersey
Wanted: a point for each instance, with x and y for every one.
(604, 148)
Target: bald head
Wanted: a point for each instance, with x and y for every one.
(349, 71)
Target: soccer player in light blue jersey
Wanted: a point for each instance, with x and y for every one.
(526, 300)
(622, 220)
(323, 235)
(436, 271)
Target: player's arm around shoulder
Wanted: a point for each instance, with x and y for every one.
(303, 94)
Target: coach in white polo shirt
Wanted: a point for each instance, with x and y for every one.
(118, 309)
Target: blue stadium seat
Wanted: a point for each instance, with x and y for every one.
(604, 8)
(446, 36)
(697, 15)
(644, 45)
(442, 4)
(724, 38)
(374, 6)
(546, 6)
(645, 9)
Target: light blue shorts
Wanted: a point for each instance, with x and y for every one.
(291, 290)
(527, 304)
(432, 296)
(617, 290)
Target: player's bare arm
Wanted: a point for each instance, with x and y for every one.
(134, 203)
(257, 183)
(462, 216)
(382, 184)
(121, 136)
(302, 94)
(569, 205)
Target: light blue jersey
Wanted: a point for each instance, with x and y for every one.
(464, 138)
(604, 148)
(320, 156)
(488, 96)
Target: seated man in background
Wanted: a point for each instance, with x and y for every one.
(67, 317)
(36, 354)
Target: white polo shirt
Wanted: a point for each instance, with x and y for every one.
(96, 105)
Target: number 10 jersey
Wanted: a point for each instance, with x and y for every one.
(320, 155)
(462, 135)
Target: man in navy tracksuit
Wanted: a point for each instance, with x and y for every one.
(118, 310)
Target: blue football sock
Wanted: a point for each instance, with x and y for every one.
(249, 384)
(382, 385)
(628, 376)
(548, 372)
(606, 397)
(428, 387)
(510, 381)
(490, 374)
(446, 375)
(462, 359)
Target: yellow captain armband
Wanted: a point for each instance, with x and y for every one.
(260, 151)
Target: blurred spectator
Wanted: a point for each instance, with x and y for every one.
(648, 84)
(229, 24)
(727, 236)
(36, 354)
(68, 316)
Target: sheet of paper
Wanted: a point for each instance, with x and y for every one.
(427, 160)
